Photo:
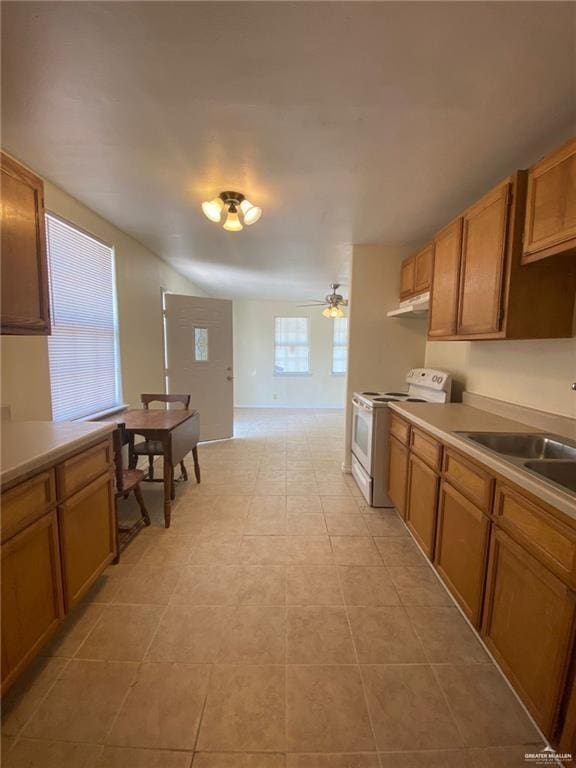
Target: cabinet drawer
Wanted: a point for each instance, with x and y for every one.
(472, 481)
(549, 540)
(81, 469)
(26, 502)
(426, 448)
(400, 429)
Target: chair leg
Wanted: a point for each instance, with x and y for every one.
(172, 484)
(150, 467)
(141, 504)
(183, 468)
(196, 463)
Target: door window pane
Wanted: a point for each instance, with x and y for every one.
(340, 345)
(201, 345)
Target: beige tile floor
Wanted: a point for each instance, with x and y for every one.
(279, 623)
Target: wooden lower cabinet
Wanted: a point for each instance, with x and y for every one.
(88, 537)
(397, 474)
(461, 546)
(528, 625)
(567, 741)
(31, 594)
(422, 499)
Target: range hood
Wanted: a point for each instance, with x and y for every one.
(416, 306)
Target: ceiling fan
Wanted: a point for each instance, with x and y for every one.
(333, 301)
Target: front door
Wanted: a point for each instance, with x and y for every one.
(199, 359)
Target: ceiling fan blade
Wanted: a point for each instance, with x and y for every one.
(315, 304)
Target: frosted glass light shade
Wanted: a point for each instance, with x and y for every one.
(213, 209)
(333, 312)
(233, 223)
(251, 212)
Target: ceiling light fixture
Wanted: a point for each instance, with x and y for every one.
(238, 211)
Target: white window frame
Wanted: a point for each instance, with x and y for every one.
(306, 344)
(118, 405)
(338, 345)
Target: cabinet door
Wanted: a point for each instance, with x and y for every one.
(31, 594)
(423, 269)
(88, 537)
(568, 735)
(462, 550)
(484, 240)
(445, 281)
(397, 474)
(25, 303)
(422, 502)
(528, 624)
(407, 278)
(550, 225)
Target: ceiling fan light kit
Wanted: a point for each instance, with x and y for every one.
(236, 208)
(333, 303)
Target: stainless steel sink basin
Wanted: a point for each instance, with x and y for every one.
(525, 446)
(551, 457)
(560, 472)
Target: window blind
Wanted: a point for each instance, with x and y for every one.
(83, 347)
(291, 345)
(340, 345)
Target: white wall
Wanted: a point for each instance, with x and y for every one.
(535, 374)
(255, 383)
(382, 349)
(25, 376)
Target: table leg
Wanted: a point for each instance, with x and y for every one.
(168, 474)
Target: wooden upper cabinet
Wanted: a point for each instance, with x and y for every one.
(25, 299)
(423, 269)
(445, 281)
(550, 226)
(484, 238)
(407, 277)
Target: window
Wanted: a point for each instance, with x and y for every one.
(83, 347)
(201, 345)
(291, 345)
(340, 345)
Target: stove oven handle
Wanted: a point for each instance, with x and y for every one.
(358, 404)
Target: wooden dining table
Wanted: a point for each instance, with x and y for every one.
(177, 430)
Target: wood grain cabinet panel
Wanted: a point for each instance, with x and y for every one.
(461, 550)
(31, 594)
(552, 541)
(81, 469)
(88, 537)
(528, 626)
(400, 429)
(567, 742)
(24, 270)
(470, 479)
(407, 276)
(484, 241)
(426, 448)
(397, 474)
(423, 269)
(550, 226)
(27, 501)
(445, 281)
(422, 499)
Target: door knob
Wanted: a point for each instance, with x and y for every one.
(574, 386)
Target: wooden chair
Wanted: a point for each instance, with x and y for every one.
(127, 481)
(153, 448)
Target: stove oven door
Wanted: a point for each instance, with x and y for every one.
(362, 433)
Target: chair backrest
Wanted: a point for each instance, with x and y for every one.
(119, 438)
(182, 399)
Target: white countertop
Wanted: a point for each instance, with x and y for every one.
(30, 445)
(444, 420)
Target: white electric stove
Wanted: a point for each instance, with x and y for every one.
(371, 428)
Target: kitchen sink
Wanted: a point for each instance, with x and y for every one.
(560, 472)
(525, 446)
(551, 457)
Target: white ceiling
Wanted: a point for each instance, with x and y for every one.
(347, 122)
